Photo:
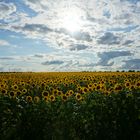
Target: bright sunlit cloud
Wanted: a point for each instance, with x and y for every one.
(71, 19)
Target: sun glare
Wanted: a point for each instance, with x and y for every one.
(71, 20)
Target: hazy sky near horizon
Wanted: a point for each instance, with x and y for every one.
(69, 35)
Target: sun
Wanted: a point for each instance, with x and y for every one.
(71, 20)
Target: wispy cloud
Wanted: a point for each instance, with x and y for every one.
(4, 43)
(6, 9)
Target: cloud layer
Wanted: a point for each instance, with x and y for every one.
(6, 9)
(86, 34)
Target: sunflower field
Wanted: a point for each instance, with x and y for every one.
(70, 106)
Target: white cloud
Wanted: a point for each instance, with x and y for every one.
(4, 43)
(6, 9)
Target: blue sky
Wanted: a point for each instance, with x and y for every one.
(69, 35)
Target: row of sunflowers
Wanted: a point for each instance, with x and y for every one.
(49, 86)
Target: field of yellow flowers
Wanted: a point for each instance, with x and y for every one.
(70, 105)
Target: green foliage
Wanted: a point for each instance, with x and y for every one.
(112, 117)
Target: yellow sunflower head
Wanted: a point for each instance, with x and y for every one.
(29, 99)
(12, 94)
(78, 96)
(118, 87)
(64, 97)
(90, 86)
(36, 99)
(45, 93)
(71, 92)
(60, 93)
(46, 98)
(2, 86)
(132, 87)
(55, 92)
(19, 93)
(3, 91)
(67, 94)
(85, 89)
(138, 84)
(127, 84)
(22, 83)
(24, 91)
(15, 87)
(52, 98)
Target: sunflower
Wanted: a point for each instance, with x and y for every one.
(107, 92)
(19, 93)
(90, 89)
(2, 86)
(82, 99)
(78, 96)
(110, 90)
(46, 98)
(24, 91)
(45, 93)
(71, 92)
(52, 98)
(85, 90)
(36, 99)
(67, 94)
(22, 84)
(4, 91)
(46, 87)
(78, 89)
(50, 89)
(43, 84)
(138, 84)
(29, 99)
(55, 92)
(66, 85)
(12, 94)
(15, 87)
(101, 82)
(59, 93)
(98, 87)
(90, 86)
(132, 87)
(127, 84)
(118, 87)
(58, 88)
(95, 84)
(33, 85)
(64, 97)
